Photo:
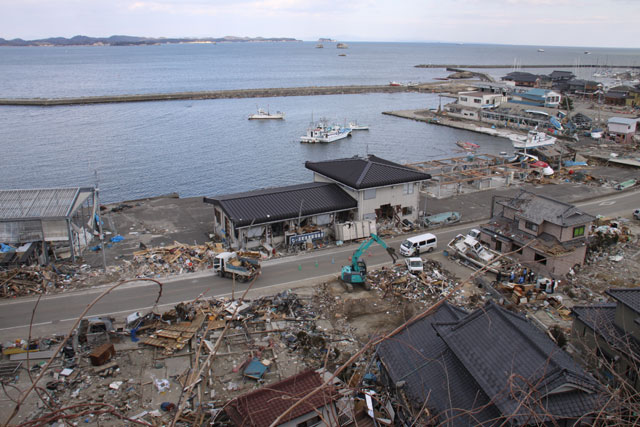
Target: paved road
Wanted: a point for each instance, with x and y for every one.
(56, 312)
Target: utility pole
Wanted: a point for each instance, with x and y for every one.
(97, 207)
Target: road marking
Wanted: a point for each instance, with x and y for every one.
(613, 202)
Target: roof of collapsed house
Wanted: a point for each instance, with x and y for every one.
(537, 209)
(359, 173)
(628, 297)
(263, 406)
(485, 360)
(281, 203)
(41, 203)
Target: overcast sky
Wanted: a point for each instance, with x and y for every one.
(606, 23)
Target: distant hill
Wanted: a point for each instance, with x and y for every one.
(134, 41)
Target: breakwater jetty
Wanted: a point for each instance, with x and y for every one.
(526, 66)
(226, 94)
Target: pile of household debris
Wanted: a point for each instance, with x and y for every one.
(174, 259)
(202, 353)
(427, 285)
(33, 280)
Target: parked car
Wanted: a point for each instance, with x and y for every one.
(636, 214)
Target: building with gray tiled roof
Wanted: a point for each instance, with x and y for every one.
(556, 232)
(490, 367)
(609, 336)
(382, 188)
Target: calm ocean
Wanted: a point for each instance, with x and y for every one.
(209, 147)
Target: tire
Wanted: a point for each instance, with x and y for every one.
(430, 249)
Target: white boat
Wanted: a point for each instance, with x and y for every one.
(477, 255)
(532, 140)
(355, 126)
(342, 46)
(319, 46)
(540, 50)
(265, 115)
(322, 132)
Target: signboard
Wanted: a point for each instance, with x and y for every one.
(299, 238)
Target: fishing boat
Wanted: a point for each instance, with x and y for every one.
(468, 146)
(266, 115)
(342, 46)
(323, 132)
(533, 139)
(319, 46)
(476, 255)
(394, 84)
(540, 50)
(355, 126)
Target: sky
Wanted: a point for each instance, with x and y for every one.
(594, 23)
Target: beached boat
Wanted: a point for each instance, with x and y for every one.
(468, 146)
(355, 126)
(266, 115)
(532, 140)
(445, 218)
(323, 132)
(469, 249)
(597, 133)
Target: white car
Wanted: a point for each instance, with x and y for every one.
(636, 214)
(414, 265)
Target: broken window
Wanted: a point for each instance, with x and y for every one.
(218, 218)
(578, 231)
(541, 259)
(531, 226)
(407, 210)
(516, 248)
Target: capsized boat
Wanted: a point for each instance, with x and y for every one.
(265, 115)
(323, 132)
(469, 249)
(532, 140)
(355, 126)
(469, 146)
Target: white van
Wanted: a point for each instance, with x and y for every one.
(414, 246)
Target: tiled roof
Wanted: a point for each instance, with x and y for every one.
(276, 204)
(520, 76)
(357, 172)
(504, 352)
(629, 297)
(39, 203)
(431, 371)
(262, 407)
(486, 360)
(537, 208)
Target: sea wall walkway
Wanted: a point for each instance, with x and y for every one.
(227, 94)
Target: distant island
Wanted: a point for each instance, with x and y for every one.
(134, 41)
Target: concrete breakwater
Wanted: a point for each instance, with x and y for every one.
(524, 66)
(221, 94)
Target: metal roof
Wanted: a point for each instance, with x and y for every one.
(39, 203)
(359, 173)
(623, 121)
(281, 203)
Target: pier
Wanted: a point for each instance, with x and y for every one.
(226, 94)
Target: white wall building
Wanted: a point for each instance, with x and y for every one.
(382, 189)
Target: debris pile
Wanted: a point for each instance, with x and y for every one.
(431, 283)
(177, 258)
(33, 280)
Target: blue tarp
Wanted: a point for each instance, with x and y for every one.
(255, 369)
(570, 163)
(6, 248)
(116, 239)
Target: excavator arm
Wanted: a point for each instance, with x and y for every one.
(365, 245)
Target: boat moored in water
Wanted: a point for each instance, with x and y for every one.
(266, 115)
(355, 126)
(323, 132)
(468, 146)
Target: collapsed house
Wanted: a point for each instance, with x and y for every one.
(489, 367)
(346, 195)
(609, 336)
(560, 231)
(262, 407)
(32, 221)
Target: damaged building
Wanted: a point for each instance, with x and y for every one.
(560, 231)
(355, 192)
(35, 221)
(609, 336)
(489, 367)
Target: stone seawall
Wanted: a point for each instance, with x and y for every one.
(220, 94)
